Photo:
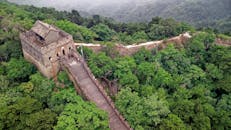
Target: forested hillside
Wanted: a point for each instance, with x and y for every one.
(200, 13)
(174, 88)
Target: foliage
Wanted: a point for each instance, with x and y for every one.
(103, 31)
(24, 113)
(224, 37)
(173, 60)
(140, 36)
(200, 13)
(125, 38)
(172, 122)
(76, 114)
(184, 88)
(143, 55)
(124, 72)
(222, 120)
(220, 56)
(59, 99)
(41, 88)
(141, 113)
(19, 69)
(64, 79)
(161, 28)
(100, 64)
(82, 116)
(4, 83)
(78, 32)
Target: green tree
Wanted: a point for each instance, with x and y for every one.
(75, 17)
(153, 74)
(19, 69)
(110, 50)
(172, 60)
(142, 113)
(24, 113)
(4, 83)
(101, 65)
(156, 32)
(78, 32)
(124, 68)
(172, 122)
(198, 45)
(129, 80)
(64, 79)
(223, 85)
(140, 36)
(143, 55)
(124, 38)
(184, 109)
(44, 119)
(213, 73)
(104, 32)
(42, 87)
(194, 107)
(194, 76)
(146, 72)
(82, 116)
(164, 28)
(220, 56)
(61, 98)
(222, 118)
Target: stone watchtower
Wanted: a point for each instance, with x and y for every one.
(43, 45)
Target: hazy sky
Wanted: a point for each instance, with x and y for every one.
(73, 3)
(77, 4)
(102, 7)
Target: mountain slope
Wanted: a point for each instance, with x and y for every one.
(201, 13)
(188, 10)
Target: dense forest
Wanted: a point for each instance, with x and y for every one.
(200, 13)
(174, 88)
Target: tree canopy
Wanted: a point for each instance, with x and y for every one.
(175, 88)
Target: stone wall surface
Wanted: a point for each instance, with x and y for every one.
(46, 71)
(45, 57)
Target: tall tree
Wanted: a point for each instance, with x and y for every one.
(142, 113)
(19, 69)
(25, 113)
(104, 32)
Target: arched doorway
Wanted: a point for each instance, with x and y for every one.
(63, 51)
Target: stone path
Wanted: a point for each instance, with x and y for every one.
(93, 91)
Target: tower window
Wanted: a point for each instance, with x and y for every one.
(63, 52)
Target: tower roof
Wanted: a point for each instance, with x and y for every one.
(42, 29)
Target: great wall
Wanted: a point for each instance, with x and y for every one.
(89, 87)
(131, 49)
(52, 50)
